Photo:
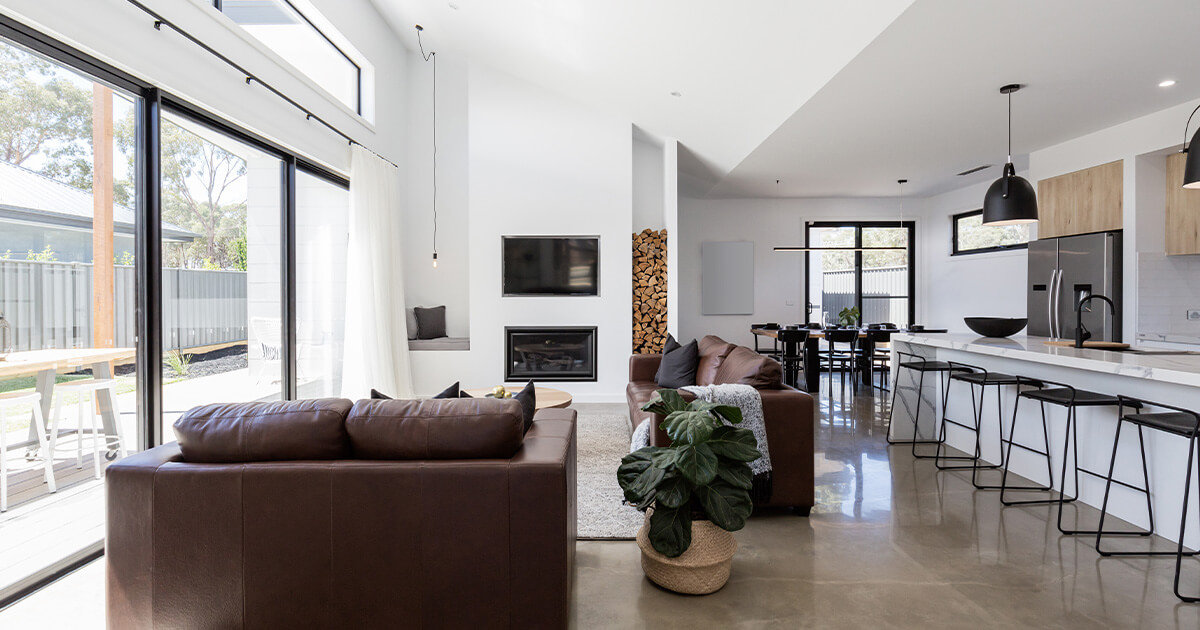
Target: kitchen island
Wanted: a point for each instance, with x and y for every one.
(1171, 377)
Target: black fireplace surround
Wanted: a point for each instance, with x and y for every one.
(550, 353)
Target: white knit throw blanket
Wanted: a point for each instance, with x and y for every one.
(743, 397)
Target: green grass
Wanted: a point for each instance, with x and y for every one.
(30, 382)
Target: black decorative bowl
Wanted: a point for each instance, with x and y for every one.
(996, 326)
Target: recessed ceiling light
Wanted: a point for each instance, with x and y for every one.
(676, 94)
(1167, 83)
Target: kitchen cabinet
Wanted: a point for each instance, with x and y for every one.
(1183, 210)
(1082, 202)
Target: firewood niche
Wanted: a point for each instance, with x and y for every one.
(649, 291)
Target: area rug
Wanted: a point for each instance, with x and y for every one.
(603, 439)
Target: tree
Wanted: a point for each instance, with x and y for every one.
(198, 177)
(43, 112)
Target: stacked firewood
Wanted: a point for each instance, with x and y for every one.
(649, 291)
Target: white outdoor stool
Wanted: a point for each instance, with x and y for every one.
(85, 407)
(9, 401)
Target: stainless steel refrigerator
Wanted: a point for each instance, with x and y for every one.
(1064, 270)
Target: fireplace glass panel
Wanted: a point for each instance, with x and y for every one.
(550, 354)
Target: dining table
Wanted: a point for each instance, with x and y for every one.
(45, 364)
(812, 359)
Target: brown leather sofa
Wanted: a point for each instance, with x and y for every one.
(787, 412)
(320, 514)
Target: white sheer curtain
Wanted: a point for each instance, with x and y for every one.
(376, 332)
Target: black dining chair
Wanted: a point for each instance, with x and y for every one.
(881, 357)
(772, 352)
(793, 341)
(842, 354)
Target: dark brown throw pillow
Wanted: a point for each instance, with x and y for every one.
(678, 366)
(431, 322)
(528, 399)
(453, 392)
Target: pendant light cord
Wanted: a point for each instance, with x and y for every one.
(432, 55)
(1010, 126)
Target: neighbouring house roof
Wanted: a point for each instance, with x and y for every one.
(29, 196)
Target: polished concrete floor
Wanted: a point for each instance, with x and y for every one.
(893, 544)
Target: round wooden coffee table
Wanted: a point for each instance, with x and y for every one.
(545, 397)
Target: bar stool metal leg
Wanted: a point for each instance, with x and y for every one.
(1004, 487)
(1000, 435)
(1180, 553)
(1072, 444)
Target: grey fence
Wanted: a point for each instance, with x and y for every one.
(49, 305)
(878, 287)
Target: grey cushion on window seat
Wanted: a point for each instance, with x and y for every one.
(441, 343)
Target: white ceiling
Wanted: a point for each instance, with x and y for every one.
(834, 98)
(741, 71)
(922, 101)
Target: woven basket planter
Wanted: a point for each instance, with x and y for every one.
(702, 569)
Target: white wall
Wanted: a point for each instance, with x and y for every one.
(122, 35)
(541, 164)
(648, 198)
(423, 284)
(988, 284)
(778, 276)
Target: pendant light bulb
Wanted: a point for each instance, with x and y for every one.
(435, 260)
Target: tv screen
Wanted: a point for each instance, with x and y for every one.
(551, 265)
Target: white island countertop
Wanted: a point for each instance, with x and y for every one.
(1167, 366)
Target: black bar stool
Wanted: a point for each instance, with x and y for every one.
(974, 375)
(922, 365)
(1067, 396)
(792, 356)
(1175, 421)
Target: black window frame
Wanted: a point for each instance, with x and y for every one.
(955, 250)
(219, 5)
(858, 226)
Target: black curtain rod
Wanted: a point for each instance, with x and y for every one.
(160, 21)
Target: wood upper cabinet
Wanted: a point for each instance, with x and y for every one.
(1085, 201)
(1183, 210)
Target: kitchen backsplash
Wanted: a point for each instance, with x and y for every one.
(1168, 287)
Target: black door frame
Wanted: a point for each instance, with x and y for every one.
(858, 226)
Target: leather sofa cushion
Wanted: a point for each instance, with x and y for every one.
(448, 428)
(265, 431)
(713, 351)
(747, 367)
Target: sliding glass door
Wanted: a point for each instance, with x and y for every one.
(152, 252)
(873, 274)
(222, 320)
(68, 334)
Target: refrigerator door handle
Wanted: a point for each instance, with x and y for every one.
(1055, 300)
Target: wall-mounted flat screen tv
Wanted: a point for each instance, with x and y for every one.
(551, 265)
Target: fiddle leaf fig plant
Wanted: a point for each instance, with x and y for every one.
(849, 316)
(704, 474)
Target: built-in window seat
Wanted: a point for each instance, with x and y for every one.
(441, 344)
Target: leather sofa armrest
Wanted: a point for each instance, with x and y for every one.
(130, 514)
(643, 367)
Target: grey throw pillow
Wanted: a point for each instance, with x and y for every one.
(431, 322)
(410, 320)
(678, 366)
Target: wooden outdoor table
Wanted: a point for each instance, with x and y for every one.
(812, 362)
(46, 363)
(545, 397)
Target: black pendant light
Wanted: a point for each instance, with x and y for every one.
(1191, 169)
(1010, 200)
